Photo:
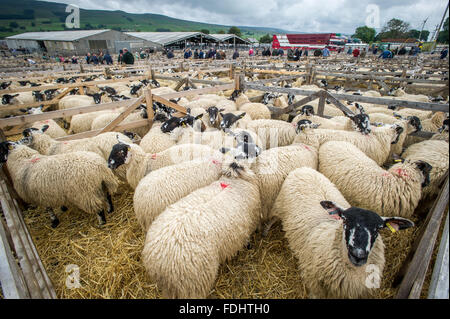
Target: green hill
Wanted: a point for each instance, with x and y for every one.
(18, 16)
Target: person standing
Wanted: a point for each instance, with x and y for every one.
(386, 54)
(235, 54)
(444, 53)
(356, 53)
(88, 58)
(201, 55)
(325, 52)
(250, 52)
(120, 57)
(107, 58)
(127, 57)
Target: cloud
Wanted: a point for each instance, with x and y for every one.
(340, 16)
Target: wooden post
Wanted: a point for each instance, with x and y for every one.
(321, 107)
(122, 116)
(149, 102)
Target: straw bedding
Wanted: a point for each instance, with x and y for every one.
(109, 257)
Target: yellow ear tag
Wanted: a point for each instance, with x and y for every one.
(390, 227)
(129, 147)
(397, 160)
(10, 147)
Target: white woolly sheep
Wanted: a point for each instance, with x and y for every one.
(79, 179)
(188, 241)
(273, 133)
(273, 165)
(336, 245)
(365, 184)
(435, 153)
(156, 141)
(376, 145)
(167, 185)
(138, 164)
(257, 111)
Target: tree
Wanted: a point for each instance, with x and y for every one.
(394, 29)
(265, 39)
(416, 33)
(365, 34)
(13, 25)
(205, 31)
(235, 30)
(221, 32)
(443, 34)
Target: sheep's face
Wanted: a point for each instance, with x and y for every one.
(302, 125)
(361, 229)
(267, 97)
(308, 110)
(414, 121)
(213, 113)
(228, 119)
(290, 98)
(155, 83)
(38, 96)
(49, 94)
(234, 95)
(97, 97)
(5, 147)
(5, 85)
(120, 154)
(30, 133)
(398, 131)
(170, 124)
(7, 98)
(362, 123)
(445, 125)
(425, 169)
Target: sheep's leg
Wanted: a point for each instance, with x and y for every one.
(101, 217)
(268, 225)
(66, 124)
(53, 218)
(110, 203)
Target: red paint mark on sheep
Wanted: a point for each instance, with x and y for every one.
(401, 172)
(305, 146)
(153, 156)
(216, 162)
(223, 185)
(34, 160)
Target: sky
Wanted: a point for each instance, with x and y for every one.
(339, 16)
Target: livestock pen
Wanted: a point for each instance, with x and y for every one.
(109, 258)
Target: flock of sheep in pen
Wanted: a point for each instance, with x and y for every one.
(204, 182)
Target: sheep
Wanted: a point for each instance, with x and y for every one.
(434, 152)
(396, 191)
(103, 120)
(234, 119)
(376, 145)
(188, 241)
(273, 133)
(273, 165)
(54, 130)
(159, 189)
(336, 245)
(257, 111)
(138, 164)
(83, 122)
(72, 101)
(156, 141)
(79, 179)
(428, 125)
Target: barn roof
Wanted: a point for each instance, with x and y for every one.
(56, 35)
(225, 37)
(166, 38)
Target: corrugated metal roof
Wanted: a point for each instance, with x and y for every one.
(224, 37)
(166, 38)
(56, 35)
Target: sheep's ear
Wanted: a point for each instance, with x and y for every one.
(15, 95)
(241, 115)
(221, 114)
(23, 110)
(396, 223)
(199, 116)
(397, 158)
(332, 208)
(221, 110)
(44, 128)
